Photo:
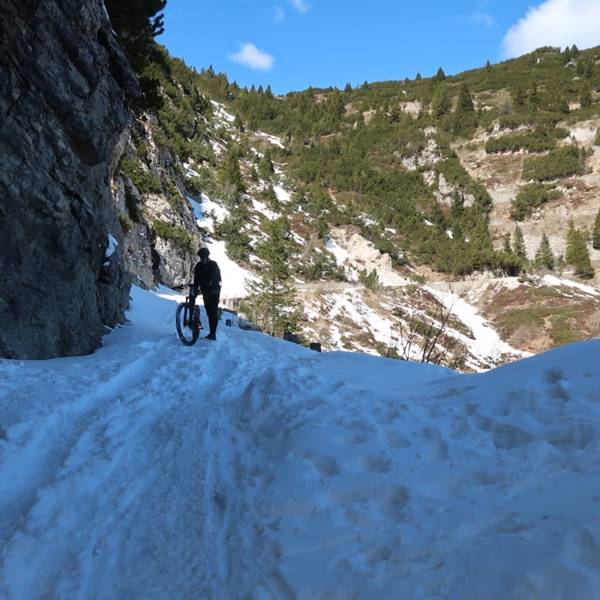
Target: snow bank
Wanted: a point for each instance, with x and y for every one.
(252, 467)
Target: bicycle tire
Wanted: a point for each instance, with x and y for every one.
(188, 334)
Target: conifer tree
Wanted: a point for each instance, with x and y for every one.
(440, 103)
(519, 245)
(544, 259)
(577, 254)
(488, 65)
(585, 98)
(506, 243)
(440, 75)
(230, 175)
(272, 305)
(596, 232)
(418, 77)
(465, 102)
(265, 166)
(519, 97)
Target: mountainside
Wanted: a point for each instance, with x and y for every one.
(376, 196)
(63, 108)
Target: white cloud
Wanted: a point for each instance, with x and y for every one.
(250, 56)
(554, 23)
(482, 18)
(279, 14)
(300, 5)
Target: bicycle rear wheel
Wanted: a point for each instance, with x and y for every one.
(187, 324)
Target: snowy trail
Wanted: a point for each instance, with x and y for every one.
(256, 468)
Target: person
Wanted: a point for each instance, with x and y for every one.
(207, 281)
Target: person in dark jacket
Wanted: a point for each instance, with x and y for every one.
(207, 281)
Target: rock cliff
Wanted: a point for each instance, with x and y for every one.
(64, 89)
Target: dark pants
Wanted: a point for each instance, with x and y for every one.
(211, 304)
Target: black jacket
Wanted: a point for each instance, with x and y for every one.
(207, 278)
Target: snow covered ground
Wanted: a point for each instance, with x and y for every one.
(254, 468)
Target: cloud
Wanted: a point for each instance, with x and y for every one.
(554, 23)
(278, 14)
(250, 56)
(482, 18)
(300, 5)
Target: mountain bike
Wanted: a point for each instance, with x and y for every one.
(187, 319)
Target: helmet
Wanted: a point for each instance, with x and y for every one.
(202, 252)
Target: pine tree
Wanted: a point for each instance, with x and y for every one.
(585, 98)
(577, 254)
(544, 259)
(137, 23)
(506, 243)
(596, 232)
(519, 97)
(440, 75)
(272, 305)
(519, 245)
(440, 103)
(265, 166)
(488, 65)
(230, 175)
(418, 77)
(465, 102)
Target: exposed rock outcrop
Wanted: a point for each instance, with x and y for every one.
(64, 85)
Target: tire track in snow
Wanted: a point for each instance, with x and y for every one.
(37, 461)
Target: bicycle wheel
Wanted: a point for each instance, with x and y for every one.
(187, 331)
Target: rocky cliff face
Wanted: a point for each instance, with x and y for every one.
(63, 109)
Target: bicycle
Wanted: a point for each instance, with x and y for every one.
(187, 319)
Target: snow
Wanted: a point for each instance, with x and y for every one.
(272, 139)
(261, 207)
(111, 247)
(282, 194)
(254, 468)
(235, 278)
(221, 113)
(487, 343)
(557, 281)
(340, 254)
(207, 212)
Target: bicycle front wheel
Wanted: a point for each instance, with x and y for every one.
(187, 323)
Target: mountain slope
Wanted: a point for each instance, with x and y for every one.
(256, 467)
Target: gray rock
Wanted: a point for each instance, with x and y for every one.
(64, 85)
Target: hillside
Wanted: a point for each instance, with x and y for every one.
(257, 468)
(374, 195)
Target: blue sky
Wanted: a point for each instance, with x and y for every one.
(292, 44)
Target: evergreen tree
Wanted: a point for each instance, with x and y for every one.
(577, 254)
(596, 232)
(585, 97)
(533, 97)
(488, 65)
(465, 102)
(418, 77)
(544, 259)
(138, 22)
(440, 103)
(464, 118)
(229, 174)
(265, 166)
(440, 75)
(588, 71)
(506, 243)
(272, 305)
(519, 245)
(519, 97)
(335, 108)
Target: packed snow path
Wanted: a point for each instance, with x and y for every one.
(255, 468)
